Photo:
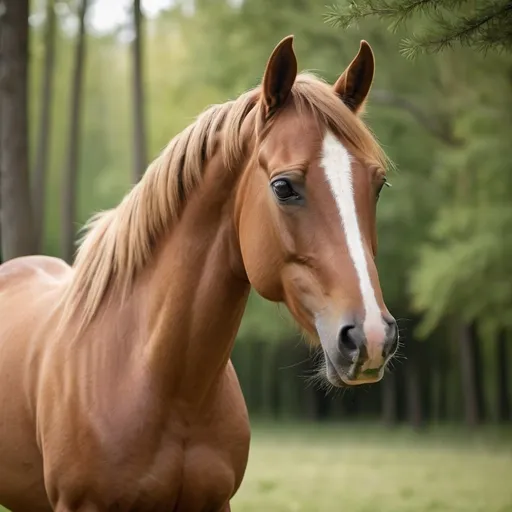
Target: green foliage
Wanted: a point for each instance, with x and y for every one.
(483, 25)
(444, 228)
(265, 321)
(465, 263)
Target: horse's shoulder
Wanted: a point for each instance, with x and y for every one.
(20, 269)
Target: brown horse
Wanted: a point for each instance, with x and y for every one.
(116, 387)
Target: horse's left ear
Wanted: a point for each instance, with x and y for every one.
(279, 76)
(355, 82)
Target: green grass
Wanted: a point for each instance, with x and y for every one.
(367, 469)
(362, 469)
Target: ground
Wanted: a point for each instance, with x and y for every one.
(370, 469)
(363, 469)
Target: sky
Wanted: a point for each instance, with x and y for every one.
(105, 15)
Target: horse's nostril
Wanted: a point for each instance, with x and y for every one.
(391, 342)
(347, 341)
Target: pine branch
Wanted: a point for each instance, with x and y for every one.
(487, 26)
(397, 11)
(347, 16)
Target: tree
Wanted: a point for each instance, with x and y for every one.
(482, 25)
(16, 212)
(503, 399)
(471, 379)
(70, 170)
(139, 128)
(41, 160)
(389, 400)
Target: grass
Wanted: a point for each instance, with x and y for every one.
(333, 469)
(367, 469)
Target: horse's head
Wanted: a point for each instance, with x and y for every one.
(307, 213)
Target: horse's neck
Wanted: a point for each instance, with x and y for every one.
(195, 299)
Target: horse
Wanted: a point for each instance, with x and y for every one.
(116, 387)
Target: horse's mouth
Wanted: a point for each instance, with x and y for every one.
(351, 374)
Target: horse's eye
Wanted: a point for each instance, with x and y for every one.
(283, 189)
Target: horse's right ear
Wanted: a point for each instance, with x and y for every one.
(279, 76)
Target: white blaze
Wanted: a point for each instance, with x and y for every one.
(337, 167)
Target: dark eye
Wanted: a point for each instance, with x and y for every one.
(284, 190)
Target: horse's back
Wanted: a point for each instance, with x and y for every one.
(29, 291)
(29, 287)
(17, 271)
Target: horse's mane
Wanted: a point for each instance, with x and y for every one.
(118, 243)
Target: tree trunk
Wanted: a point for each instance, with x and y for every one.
(16, 212)
(323, 404)
(1, 252)
(426, 379)
(389, 402)
(469, 373)
(43, 143)
(502, 377)
(267, 382)
(275, 384)
(308, 392)
(139, 129)
(478, 364)
(414, 405)
(70, 171)
(256, 350)
(442, 399)
(351, 404)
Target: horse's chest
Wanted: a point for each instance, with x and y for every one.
(149, 461)
(200, 472)
(206, 480)
(200, 478)
(193, 477)
(127, 450)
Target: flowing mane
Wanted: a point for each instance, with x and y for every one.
(118, 243)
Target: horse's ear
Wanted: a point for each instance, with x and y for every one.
(355, 82)
(279, 76)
